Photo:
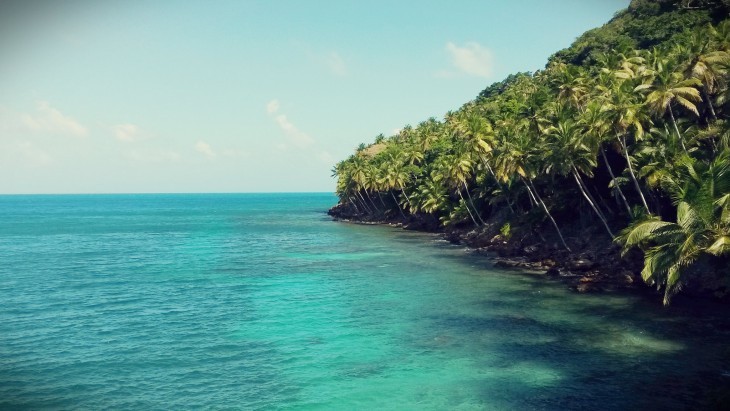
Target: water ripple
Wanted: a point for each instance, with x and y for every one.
(258, 302)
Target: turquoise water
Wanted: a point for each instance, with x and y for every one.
(262, 302)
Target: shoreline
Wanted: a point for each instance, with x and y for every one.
(593, 268)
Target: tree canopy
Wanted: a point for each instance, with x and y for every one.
(627, 128)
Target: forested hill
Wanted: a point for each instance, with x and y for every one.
(626, 132)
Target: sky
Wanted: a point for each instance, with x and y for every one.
(245, 96)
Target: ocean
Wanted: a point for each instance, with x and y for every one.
(261, 301)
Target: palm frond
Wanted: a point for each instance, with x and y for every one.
(687, 104)
(641, 232)
(720, 247)
(673, 283)
(688, 217)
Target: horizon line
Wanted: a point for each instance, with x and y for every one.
(168, 193)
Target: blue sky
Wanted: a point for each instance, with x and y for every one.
(245, 96)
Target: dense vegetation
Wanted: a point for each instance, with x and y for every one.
(628, 128)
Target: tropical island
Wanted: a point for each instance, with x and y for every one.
(610, 167)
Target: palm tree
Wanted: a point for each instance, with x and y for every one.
(626, 115)
(570, 84)
(427, 132)
(710, 68)
(476, 133)
(596, 126)
(668, 87)
(458, 171)
(656, 155)
(390, 180)
(433, 195)
(347, 185)
(570, 154)
(513, 160)
(360, 177)
(701, 192)
(371, 183)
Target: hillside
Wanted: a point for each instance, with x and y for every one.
(619, 147)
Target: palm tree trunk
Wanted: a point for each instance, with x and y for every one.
(364, 203)
(603, 202)
(714, 117)
(354, 204)
(622, 141)
(466, 188)
(372, 202)
(491, 172)
(506, 200)
(674, 122)
(533, 200)
(467, 207)
(489, 168)
(709, 103)
(613, 178)
(380, 197)
(408, 200)
(590, 195)
(600, 215)
(397, 205)
(547, 212)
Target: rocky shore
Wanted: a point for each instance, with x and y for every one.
(594, 263)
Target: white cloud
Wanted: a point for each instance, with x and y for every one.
(336, 64)
(204, 148)
(472, 59)
(161, 156)
(294, 135)
(273, 106)
(49, 119)
(126, 132)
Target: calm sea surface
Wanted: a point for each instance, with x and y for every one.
(261, 302)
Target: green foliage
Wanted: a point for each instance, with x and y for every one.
(645, 24)
(506, 231)
(702, 229)
(651, 88)
(495, 89)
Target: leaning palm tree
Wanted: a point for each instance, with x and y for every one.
(433, 195)
(371, 184)
(359, 170)
(570, 84)
(701, 192)
(458, 171)
(389, 181)
(346, 185)
(476, 134)
(670, 87)
(513, 160)
(597, 128)
(570, 154)
(626, 116)
(427, 133)
(709, 66)
(398, 169)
